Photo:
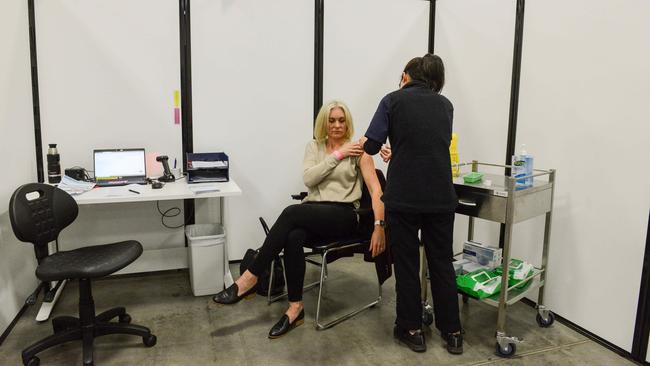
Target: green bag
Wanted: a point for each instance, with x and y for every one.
(518, 270)
(479, 284)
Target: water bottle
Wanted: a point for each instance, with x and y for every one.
(522, 166)
(53, 165)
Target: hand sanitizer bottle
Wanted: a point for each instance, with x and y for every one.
(522, 166)
(453, 154)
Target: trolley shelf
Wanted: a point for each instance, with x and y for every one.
(515, 294)
(496, 199)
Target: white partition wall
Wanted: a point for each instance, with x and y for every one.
(584, 110)
(252, 72)
(17, 262)
(107, 75)
(475, 39)
(366, 46)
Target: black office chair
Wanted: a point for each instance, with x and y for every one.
(357, 242)
(38, 212)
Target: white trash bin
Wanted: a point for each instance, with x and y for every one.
(206, 257)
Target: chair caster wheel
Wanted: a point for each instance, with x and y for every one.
(507, 351)
(125, 319)
(150, 340)
(34, 361)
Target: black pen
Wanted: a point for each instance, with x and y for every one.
(130, 190)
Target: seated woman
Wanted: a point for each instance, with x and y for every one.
(333, 169)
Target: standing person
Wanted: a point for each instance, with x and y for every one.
(419, 196)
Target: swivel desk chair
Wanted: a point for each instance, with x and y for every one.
(38, 212)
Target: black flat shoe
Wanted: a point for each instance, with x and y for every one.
(415, 341)
(229, 295)
(283, 326)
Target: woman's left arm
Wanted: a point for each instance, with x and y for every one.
(378, 240)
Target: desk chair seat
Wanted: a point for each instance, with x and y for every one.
(88, 262)
(38, 212)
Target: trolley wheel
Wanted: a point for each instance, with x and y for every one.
(507, 351)
(545, 323)
(125, 319)
(427, 318)
(150, 340)
(34, 361)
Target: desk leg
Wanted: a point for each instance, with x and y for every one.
(227, 276)
(47, 307)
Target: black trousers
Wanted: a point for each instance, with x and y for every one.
(437, 235)
(296, 225)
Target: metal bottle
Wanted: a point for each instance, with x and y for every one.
(53, 165)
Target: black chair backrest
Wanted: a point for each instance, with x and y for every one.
(38, 212)
(367, 221)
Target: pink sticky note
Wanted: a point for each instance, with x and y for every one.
(177, 116)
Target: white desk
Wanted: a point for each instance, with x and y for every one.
(171, 191)
(156, 259)
(159, 259)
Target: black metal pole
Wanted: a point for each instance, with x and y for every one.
(186, 95)
(36, 106)
(319, 25)
(642, 325)
(432, 25)
(186, 79)
(514, 94)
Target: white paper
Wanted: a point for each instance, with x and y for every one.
(203, 188)
(208, 164)
(74, 187)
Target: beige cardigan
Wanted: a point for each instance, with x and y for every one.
(328, 179)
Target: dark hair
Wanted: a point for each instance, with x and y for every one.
(429, 69)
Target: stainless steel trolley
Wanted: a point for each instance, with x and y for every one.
(495, 199)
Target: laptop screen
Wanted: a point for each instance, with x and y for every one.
(119, 163)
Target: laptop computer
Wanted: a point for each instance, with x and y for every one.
(114, 167)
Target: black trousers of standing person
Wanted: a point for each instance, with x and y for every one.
(437, 236)
(297, 224)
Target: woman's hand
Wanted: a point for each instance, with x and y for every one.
(378, 241)
(351, 149)
(385, 153)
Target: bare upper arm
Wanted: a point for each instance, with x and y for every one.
(367, 165)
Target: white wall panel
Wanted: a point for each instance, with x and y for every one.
(17, 262)
(584, 110)
(367, 43)
(475, 40)
(107, 74)
(252, 98)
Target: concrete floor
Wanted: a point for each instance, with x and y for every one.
(195, 331)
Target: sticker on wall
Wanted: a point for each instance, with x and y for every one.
(177, 105)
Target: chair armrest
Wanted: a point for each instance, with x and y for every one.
(300, 196)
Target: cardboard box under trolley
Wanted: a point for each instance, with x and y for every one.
(207, 167)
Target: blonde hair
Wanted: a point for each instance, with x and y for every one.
(320, 129)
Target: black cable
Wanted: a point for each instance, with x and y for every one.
(167, 213)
